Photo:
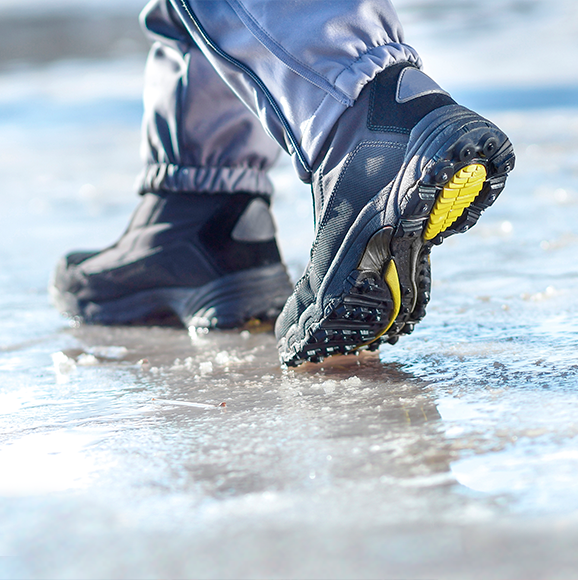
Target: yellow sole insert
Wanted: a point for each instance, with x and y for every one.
(455, 197)
(391, 278)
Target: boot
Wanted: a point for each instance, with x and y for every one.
(404, 168)
(211, 260)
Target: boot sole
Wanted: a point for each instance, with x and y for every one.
(228, 302)
(387, 290)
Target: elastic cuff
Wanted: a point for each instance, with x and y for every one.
(159, 177)
(364, 69)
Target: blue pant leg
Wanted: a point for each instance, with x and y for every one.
(197, 135)
(299, 64)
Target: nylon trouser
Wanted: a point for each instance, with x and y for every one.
(296, 65)
(197, 136)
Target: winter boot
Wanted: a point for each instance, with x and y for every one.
(212, 260)
(404, 168)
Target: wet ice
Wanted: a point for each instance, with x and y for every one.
(452, 454)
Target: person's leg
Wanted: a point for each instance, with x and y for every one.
(201, 244)
(197, 136)
(297, 65)
(395, 164)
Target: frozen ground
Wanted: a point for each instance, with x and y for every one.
(453, 454)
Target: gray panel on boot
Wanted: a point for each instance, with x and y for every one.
(255, 224)
(413, 83)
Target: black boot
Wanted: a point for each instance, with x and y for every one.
(211, 260)
(404, 168)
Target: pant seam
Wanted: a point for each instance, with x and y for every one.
(197, 27)
(289, 60)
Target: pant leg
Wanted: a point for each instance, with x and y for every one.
(299, 64)
(197, 136)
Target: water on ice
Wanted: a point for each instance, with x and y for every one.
(132, 452)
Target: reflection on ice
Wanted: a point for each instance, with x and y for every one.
(42, 463)
(541, 478)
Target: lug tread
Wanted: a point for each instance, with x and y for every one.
(449, 199)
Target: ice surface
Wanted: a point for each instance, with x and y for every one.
(452, 454)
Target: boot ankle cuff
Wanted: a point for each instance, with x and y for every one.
(164, 177)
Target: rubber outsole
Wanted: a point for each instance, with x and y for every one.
(388, 290)
(228, 302)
